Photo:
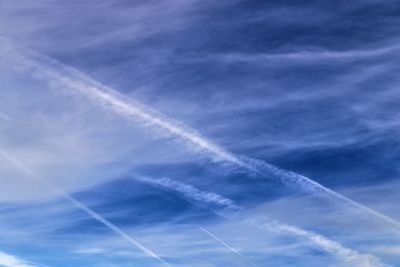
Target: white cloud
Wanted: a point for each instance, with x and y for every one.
(90, 250)
(8, 260)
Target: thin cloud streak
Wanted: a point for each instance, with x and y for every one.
(83, 207)
(347, 255)
(219, 240)
(304, 56)
(296, 180)
(189, 191)
(108, 98)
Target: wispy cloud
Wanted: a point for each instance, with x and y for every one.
(308, 87)
(8, 260)
(108, 98)
(304, 56)
(83, 207)
(347, 255)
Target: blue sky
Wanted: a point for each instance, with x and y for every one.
(199, 133)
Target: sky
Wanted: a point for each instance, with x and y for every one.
(199, 133)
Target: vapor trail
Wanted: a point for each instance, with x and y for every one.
(219, 240)
(350, 256)
(296, 180)
(106, 97)
(189, 192)
(83, 207)
(306, 56)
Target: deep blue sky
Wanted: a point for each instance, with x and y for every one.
(308, 86)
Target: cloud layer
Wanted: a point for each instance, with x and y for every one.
(310, 88)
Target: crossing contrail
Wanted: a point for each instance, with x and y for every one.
(83, 207)
(106, 97)
(347, 255)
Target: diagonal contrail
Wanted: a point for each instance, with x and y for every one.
(219, 240)
(347, 255)
(106, 97)
(218, 207)
(296, 180)
(191, 192)
(83, 207)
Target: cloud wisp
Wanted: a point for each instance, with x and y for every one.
(106, 97)
(347, 255)
(7, 260)
(306, 56)
(82, 207)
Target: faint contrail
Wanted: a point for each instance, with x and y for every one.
(305, 56)
(54, 71)
(347, 255)
(83, 207)
(227, 246)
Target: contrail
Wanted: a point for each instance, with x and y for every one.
(305, 56)
(83, 207)
(106, 97)
(350, 256)
(347, 255)
(296, 180)
(227, 246)
(190, 192)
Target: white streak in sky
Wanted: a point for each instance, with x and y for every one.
(83, 207)
(296, 180)
(219, 240)
(350, 256)
(305, 56)
(7, 260)
(189, 191)
(54, 71)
